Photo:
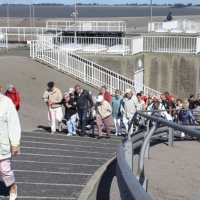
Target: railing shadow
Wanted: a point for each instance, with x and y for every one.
(103, 190)
(4, 191)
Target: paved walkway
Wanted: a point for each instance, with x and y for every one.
(57, 166)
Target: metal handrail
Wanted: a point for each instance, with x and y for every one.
(131, 190)
(91, 73)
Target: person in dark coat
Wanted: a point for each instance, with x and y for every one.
(13, 95)
(82, 98)
(70, 112)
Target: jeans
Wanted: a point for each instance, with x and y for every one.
(71, 124)
(99, 121)
(126, 124)
(6, 172)
(118, 124)
(53, 115)
(83, 118)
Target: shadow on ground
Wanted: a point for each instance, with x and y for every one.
(103, 190)
(4, 191)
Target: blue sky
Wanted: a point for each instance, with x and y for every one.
(110, 1)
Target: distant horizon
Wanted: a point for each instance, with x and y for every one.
(103, 4)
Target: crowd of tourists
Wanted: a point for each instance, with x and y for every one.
(83, 109)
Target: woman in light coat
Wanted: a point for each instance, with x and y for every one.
(10, 133)
(117, 115)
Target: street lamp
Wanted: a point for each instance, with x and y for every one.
(75, 14)
(151, 15)
(32, 19)
(8, 18)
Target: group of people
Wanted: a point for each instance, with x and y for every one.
(83, 109)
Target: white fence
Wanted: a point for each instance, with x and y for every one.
(98, 45)
(84, 69)
(126, 46)
(189, 25)
(85, 26)
(166, 44)
(185, 25)
(3, 40)
(25, 33)
(198, 45)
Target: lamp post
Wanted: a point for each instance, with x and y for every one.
(151, 15)
(32, 15)
(30, 12)
(8, 17)
(75, 14)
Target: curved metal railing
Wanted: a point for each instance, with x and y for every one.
(134, 187)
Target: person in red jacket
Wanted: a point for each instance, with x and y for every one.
(107, 97)
(13, 95)
(105, 94)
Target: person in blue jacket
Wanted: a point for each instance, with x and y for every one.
(186, 116)
(117, 116)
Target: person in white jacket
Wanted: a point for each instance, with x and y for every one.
(10, 134)
(155, 106)
(128, 108)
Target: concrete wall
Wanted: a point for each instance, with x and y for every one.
(175, 73)
(124, 65)
(178, 74)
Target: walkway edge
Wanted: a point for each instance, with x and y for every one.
(87, 190)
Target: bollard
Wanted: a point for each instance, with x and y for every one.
(128, 147)
(171, 137)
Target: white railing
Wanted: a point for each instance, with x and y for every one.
(189, 25)
(85, 26)
(25, 33)
(3, 40)
(125, 46)
(84, 69)
(181, 24)
(170, 44)
(198, 45)
(98, 45)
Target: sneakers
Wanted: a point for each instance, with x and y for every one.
(60, 129)
(182, 135)
(69, 134)
(118, 134)
(74, 133)
(13, 196)
(52, 132)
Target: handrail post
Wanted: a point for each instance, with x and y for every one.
(42, 49)
(84, 73)
(146, 154)
(33, 50)
(171, 137)
(129, 152)
(58, 60)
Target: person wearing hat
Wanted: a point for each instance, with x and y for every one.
(103, 112)
(70, 111)
(13, 95)
(53, 98)
(9, 141)
(128, 108)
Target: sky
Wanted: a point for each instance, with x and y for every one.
(111, 2)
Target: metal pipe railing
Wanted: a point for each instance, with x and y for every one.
(161, 127)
